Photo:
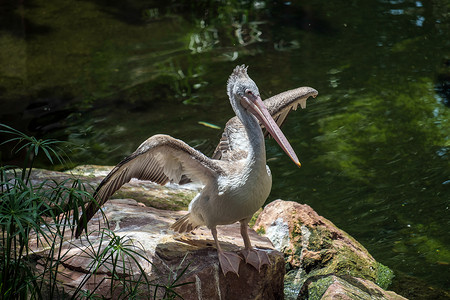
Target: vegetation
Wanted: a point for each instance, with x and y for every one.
(46, 214)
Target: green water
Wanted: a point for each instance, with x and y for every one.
(374, 144)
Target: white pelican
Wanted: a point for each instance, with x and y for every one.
(236, 179)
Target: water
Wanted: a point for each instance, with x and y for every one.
(374, 144)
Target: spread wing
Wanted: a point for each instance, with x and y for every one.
(279, 106)
(160, 159)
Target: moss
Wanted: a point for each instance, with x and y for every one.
(384, 276)
(168, 201)
(318, 288)
(185, 197)
(339, 260)
(320, 239)
(297, 231)
(255, 216)
(261, 230)
(346, 262)
(343, 262)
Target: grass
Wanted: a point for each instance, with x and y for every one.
(47, 214)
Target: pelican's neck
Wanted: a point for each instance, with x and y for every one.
(257, 149)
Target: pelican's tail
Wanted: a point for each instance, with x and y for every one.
(184, 224)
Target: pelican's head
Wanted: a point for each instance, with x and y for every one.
(240, 85)
(244, 95)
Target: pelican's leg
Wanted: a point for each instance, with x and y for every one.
(229, 261)
(252, 256)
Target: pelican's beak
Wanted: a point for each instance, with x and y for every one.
(257, 108)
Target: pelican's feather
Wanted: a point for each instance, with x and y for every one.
(160, 159)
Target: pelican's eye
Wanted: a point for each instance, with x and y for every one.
(248, 92)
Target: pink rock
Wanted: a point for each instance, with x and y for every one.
(163, 255)
(310, 241)
(346, 288)
(325, 262)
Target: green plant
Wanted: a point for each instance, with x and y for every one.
(37, 214)
(172, 282)
(116, 261)
(47, 214)
(33, 147)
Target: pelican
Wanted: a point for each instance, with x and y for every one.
(236, 179)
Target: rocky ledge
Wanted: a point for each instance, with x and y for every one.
(322, 261)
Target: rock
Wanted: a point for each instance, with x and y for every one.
(169, 197)
(312, 242)
(345, 288)
(323, 261)
(315, 248)
(167, 259)
(92, 171)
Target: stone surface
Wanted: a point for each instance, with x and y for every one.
(323, 261)
(162, 254)
(314, 247)
(169, 197)
(344, 288)
(313, 242)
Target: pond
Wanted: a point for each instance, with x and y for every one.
(374, 145)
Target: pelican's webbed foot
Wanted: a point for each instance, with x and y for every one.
(229, 262)
(255, 258)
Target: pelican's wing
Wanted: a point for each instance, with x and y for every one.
(160, 159)
(278, 106)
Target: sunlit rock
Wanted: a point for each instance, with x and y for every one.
(323, 261)
(151, 257)
(164, 256)
(316, 249)
(344, 288)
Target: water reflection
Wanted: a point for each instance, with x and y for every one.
(204, 41)
(374, 144)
